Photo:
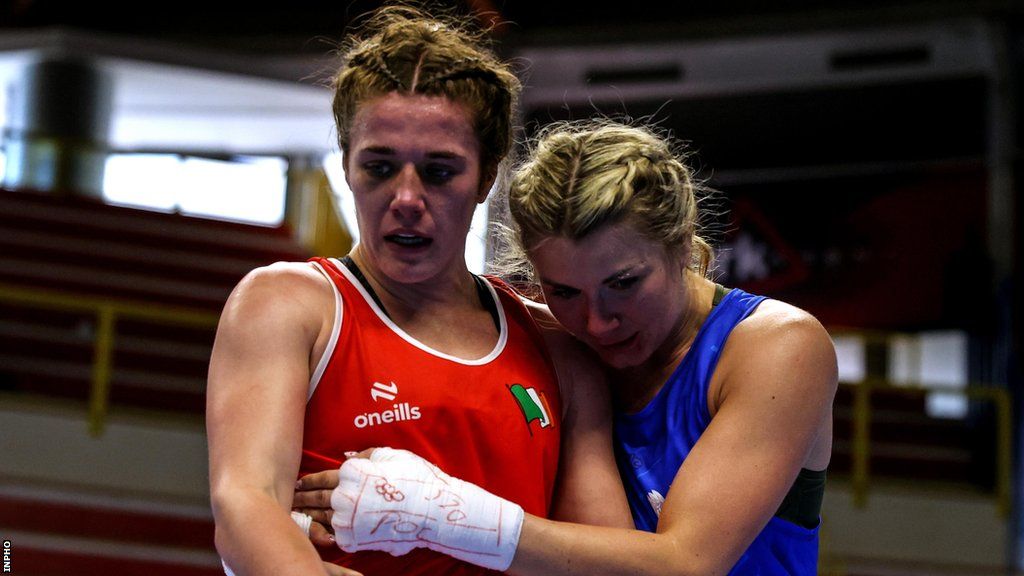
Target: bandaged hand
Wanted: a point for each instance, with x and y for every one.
(396, 501)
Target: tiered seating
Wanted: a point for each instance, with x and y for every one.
(54, 535)
(82, 247)
(907, 443)
(90, 250)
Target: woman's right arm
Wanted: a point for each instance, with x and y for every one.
(256, 397)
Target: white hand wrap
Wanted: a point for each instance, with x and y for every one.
(303, 521)
(397, 501)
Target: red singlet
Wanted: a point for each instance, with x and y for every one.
(495, 421)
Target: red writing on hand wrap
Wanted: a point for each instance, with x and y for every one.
(396, 501)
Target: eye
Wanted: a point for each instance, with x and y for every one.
(438, 173)
(378, 169)
(563, 292)
(623, 283)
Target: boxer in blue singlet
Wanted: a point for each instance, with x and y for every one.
(652, 444)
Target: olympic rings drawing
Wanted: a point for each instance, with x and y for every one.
(388, 491)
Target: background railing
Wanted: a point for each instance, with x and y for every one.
(884, 391)
(865, 394)
(107, 312)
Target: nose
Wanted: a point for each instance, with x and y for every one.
(408, 200)
(601, 321)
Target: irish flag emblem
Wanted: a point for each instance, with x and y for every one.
(533, 405)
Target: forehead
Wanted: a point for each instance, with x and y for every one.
(433, 123)
(606, 251)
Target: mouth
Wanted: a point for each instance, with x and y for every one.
(619, 344)
(408, 240)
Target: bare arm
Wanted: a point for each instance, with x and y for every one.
(258, 380)
(775, 387)
(589, 490)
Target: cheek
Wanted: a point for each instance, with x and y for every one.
(366, 201)
(453, 203)
(645, 310)
(647, 302)
(566, 313)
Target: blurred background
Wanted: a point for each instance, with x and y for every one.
(866, 159)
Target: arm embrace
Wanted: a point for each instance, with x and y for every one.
(588, 490)
(770, 400)
(771, 405)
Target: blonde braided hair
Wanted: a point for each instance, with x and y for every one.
(582, 175)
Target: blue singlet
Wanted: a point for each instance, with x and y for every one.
(651, 445)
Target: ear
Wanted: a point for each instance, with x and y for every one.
(487, 178)
(685, 253)
(344, 167)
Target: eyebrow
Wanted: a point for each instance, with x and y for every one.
(389, 151)
(445, 155)
(554, 284)
(611, 278)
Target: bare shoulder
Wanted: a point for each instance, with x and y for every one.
(776, 325)
(541, 313)
(282, 275)
(781, 342)
(290, 280)
(282, 288)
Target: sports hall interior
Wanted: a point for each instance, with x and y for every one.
(863, 160)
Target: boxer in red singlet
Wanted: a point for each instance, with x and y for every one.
(380, 384)
(311, 361)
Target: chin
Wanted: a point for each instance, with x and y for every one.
(625, 357)
(408, 273)
(620, 361)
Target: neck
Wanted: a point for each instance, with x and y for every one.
(453, 288)
(638, 385)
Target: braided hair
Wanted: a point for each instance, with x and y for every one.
(402, 49)
(582, 175)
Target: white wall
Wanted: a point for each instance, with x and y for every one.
(49, 445)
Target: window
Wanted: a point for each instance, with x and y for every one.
(933, 359)
(244, 189)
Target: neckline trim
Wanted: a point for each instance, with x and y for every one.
(688, 359)
(490, 356)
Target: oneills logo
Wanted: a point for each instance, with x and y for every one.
(398, 412)
(385, 391)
